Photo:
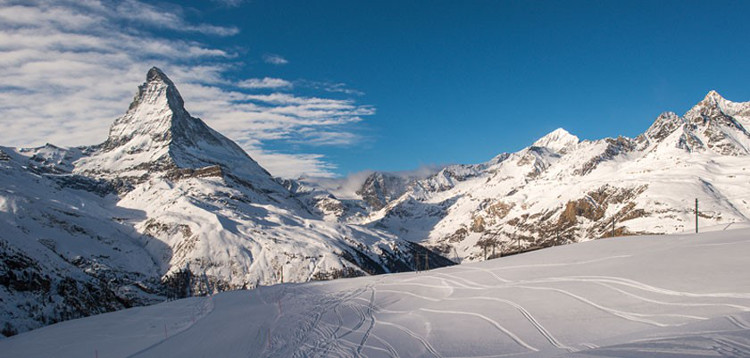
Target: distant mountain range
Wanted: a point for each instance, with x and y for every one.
(167, 206)
(561, 189)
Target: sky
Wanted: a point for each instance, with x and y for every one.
(332, 88)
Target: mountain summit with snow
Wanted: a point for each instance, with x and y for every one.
(157, 135)
(165, 207)
(168, 207)
(557, 140)
(562, 189)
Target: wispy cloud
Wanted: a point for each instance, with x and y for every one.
(263, 83)
(68, 68)
(229, 3)
(274, 59)
(329, 87)
(171, 18)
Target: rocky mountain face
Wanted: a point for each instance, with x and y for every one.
(381, 188)
(168, 207)
(165, 207)
(561, 189)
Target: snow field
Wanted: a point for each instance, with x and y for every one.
(633, 296)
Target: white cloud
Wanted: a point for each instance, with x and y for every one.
(69, 68)
(329, 87)
(266, 82)
(171, 18)
(229, 3)
(274, 59)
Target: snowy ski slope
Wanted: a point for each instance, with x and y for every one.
(647, 296)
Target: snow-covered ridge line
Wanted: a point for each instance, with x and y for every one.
(164, 207)
(561, 189)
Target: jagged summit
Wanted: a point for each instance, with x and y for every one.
(713, 97)
(157, 134)
(712, 104)
(156, 80)
(557, 140)
(156, 108)
(155, 74)
(713, 124)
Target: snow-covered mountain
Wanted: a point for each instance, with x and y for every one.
(561, 189)
(165, 206)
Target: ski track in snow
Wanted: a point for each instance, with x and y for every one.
(372, 322)
(494, 323)
(493, 274)
(394, 315)
(208, 307)
(680, 304)
(453, 282)
(421, 339)
(738, 322)
(560, 264)
(539, 327)
(630, 316)
(641, 286)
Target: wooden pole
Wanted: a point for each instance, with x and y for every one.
(518, 243)
(696, 215)
(613, 227)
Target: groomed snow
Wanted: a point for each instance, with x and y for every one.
(646, 296)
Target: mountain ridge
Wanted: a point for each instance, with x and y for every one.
(561, 189)
(165, 207)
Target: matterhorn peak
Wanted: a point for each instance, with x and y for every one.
(557, 140)
(157, 135)
(158, 90)
(155, 74)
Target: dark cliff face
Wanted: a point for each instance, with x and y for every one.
(381, 188)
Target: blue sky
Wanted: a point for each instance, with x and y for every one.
(420, 83)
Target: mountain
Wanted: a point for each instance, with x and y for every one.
(165, 207)
(168, 207)
(562, 189)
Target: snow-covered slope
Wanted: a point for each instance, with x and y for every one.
(124, 221)
(561, 189)
(649, 296)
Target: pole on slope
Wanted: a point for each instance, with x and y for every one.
(416, 261)
(518, 243)
(613, 226)
(696, 215)
(426, 261)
